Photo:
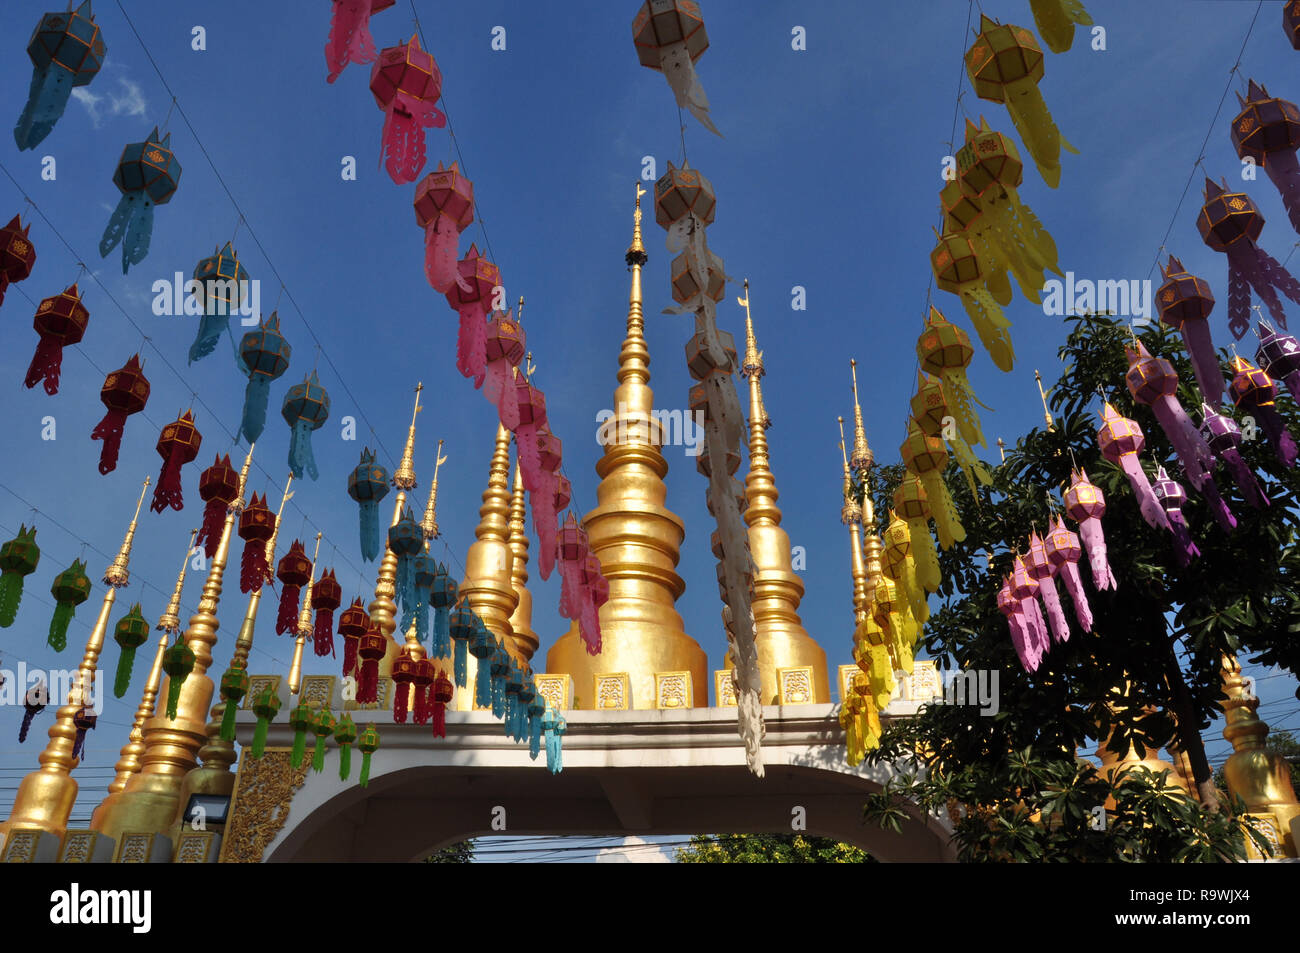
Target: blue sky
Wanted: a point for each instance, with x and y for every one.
(827, 179)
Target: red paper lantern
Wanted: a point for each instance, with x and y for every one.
(444, 207)
(326, 596)
(370, 649)
(218, 488)
(125, 392)
(60, 320)
(256, 527)
(420, 683)
(17, 254)
(441, 692)
(353, 624)
(294, 572)
(403, 676)
(178, 444)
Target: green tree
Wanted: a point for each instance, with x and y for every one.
(1162, 633)
(769, 849)
(461, 853)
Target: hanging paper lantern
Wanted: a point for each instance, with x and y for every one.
(263, 356)
(1121, 440)
(1063, 549)
(403, 675)
(70, 589)
(685, 288)
(1086, 505)
(1055, 20)
(326, 596)
(1291, 22)
(571, 550)
(1224, 438)
(294, 572)
(945, 350)
(67, 50)
(265, 706)
(406, 84)
(926, 457)
(482, 646)
(931, 412)
(367, 744)
(499, 666)
(463, 625)
(223, 282)
(471, 298)
(444, 207)
(300, 720)
(60, 321)
(1154, 382)
(1230, 222)
(345, 733)
(306, 408)
(18, 558)
(536, 711)
(1007, 234)
(669, 37)
(131, 632)
(1172, 496)
(1009, 606)
(1255, 391)
(421, 680)
(553, 725)
(957, 269)
(1267, 132)
(234, 686)
(370, 649)
(1185, 303)
(125, 392)
(550, 459)
(504, 348)
(368, 484)
(442, 596)
(406, 539)
(34, 703)
(1044, 570)
(17, 254)
(532, 421)
(84, 720)
(256, 527)
(1005, 65)
(178, 444)
(350, 41)
(441, 692)
(1024, 588)
(424, 569)
(519, 691)
(1279, 357)
(178, 662)
(218, 488)
(353, 624)
(147, 175)
(900, 566)
(594, 594)
(322, 724)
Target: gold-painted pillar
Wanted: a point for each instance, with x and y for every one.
(46, 796)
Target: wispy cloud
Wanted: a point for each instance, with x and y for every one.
(126, 100)
(634, 850)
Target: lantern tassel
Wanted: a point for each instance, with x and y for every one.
(47, 98)
(471, 344)
(483, 684)
(286, 619)
(257, 395)
(259, 736)
(211, 327)
(1283, 444)
(1205, 363)
(1074, 586)
(1055, 614)
(299, 747)
(401, 692)
(534, 735)
(498, 696)
(168, 492)
(350, 40)
(368, 682)
(58, 636)
(1094, 541)
(345, 761)
(122, 677)
(46, 364)
(253, 568)
(110, 431)
(214, 518)
(403, 137)
(131, 225)
(300, 455)
(992, 326)
(364, 778)
(318, 754)
(441, 647)
(1241, 472)
(349, 656)
(439, 720)
(498, 381)
(26, 725)
(322, 637)
(461, 663)
(174, 686)
(441, 239)
(11, 594)
(228, 721)
(544, 523)
(369, 530)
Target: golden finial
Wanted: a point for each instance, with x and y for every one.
(304, 625)
(404, 475)
(429, 525)
(1047, 414)
(170, 621)
(636, 251)
(241, 500)
(753, 363)
(1002, 449)
(860, 458)
(521, 619)
(118, 575)
(851, 512)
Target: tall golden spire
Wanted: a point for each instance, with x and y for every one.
(171, 746)
(46, 796)
(860, 458)
(851, 516)
(521, 620)
(304, 628)
(429, 525)
(487, 586)
(128, 762)
(778, 631)
(636, 537)
(1258, 776)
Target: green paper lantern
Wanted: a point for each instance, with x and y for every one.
(131, 632)
(266, 706)
(234, 686)
(71, 588)
(345, 733)
(301, 723)
(18, 558)
(178, 662)
(323, 725)
(368, 744)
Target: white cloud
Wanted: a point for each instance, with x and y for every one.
(641, 852)
(127, 101)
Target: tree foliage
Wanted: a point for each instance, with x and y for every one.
(769, 849)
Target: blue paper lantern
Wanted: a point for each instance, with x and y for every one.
(147, 175)
(263, 356)
(368, 484)
(306, 408)
(66, 50)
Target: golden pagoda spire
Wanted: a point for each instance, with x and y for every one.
(860, 458)
(1042, 395)
(1258, 776)
(171, 746)
(46, 796)
(521, 620)
(383, 608)
(487, 586)
(862, 461)
(636, 537)
(304, 628)
(429, 525)
(851, 516)
(128, 762)
(778, 631)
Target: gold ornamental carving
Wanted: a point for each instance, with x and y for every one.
(724, 688)
(613, 691)
(256, 685)
(924, 684)
(317, 691)
(79, 846)
(196, 847)
(796, 684)
(673, 690)
(134, 848)
(264, 790)
(20, 846)
(846, 681)
(556, 689)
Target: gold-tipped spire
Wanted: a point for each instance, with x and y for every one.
(635, 536)
(46, 796)
(429, 525)
(521, 620)
(851, 515)
(1042, 395)
(404, 475)
(304, 628)
(1258, 776)
(128, 762)
(171, 746)
(860, 458)
(1002, 450)
(778, 631)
